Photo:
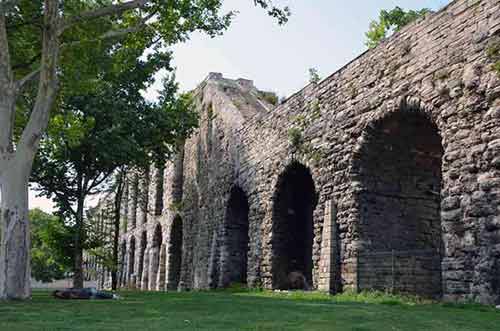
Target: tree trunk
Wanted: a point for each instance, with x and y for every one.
(78, 242)
(15, 164)
(116, 234)
(15, 272)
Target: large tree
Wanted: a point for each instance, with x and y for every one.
(33, 36)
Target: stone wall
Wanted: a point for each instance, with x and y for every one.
(396, 151)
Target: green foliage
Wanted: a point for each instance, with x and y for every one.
(314, 77)
(281, 14)
(493, 53)
(496, 67)
(269, 97)
(314, 154)
(176, 207)
(86, 44)
(211, 115)
(391, 21)
(295, 137)
(316, 110)
(300, 124)
(50, 239)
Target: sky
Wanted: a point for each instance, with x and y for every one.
(321, 34)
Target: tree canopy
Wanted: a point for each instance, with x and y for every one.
(390, 21)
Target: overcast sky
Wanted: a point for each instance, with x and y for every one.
(324, 34)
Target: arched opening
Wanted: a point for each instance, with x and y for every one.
(142, 265)
(294, 202)
(235, 249)
(400, 227)
(175, 254)
(155, 257)
(131, 263)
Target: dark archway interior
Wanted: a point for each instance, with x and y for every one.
(122, 262)
(144, 242)
(131, 260)
(175, 253)
(294, 202)
(157, 237)
(236, 242)
(400, 172)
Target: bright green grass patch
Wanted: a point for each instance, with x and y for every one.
(245, 310)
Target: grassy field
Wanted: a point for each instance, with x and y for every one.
(243, 310)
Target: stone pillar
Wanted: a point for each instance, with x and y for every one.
(125, 267)
(178, 176)
(153, 187)
(329, 267)
(145, 271)
(213, 274)
(124, 209)
(132, 200)
(119, 271)
(153, 268)
(156, 197)
(142, 196)
(137, 280)
(161, 268)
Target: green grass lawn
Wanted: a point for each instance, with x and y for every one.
(243, 310)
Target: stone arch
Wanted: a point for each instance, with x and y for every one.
(175, 254)
(131, 263)
(155, 259)
(294, 201)
(398, 167)
(234, 253)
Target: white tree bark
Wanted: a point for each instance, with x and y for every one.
(16, 164)
(15, 234)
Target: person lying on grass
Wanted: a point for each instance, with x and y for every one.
(83, 294)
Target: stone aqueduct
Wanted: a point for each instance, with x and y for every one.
(384, 175)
